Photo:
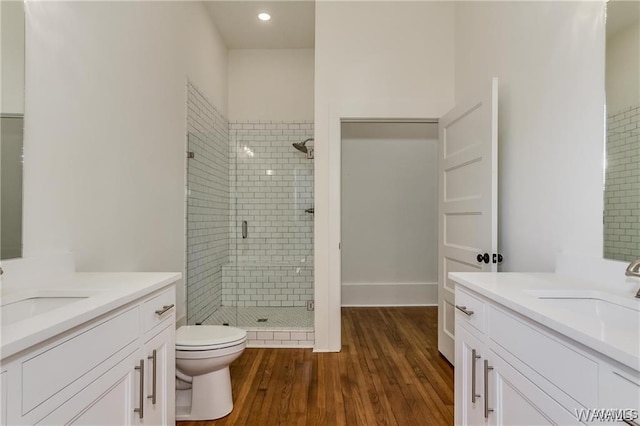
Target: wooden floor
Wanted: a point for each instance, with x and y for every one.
(389, 372)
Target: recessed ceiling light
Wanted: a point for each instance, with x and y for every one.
(264, 16)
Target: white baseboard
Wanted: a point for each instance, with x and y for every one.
(389, 294)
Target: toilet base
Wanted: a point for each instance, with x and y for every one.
(212, 400)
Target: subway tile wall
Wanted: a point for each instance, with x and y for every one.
(208, 205)
(293, 338)
(622, 186)
(271, 187)
(266, 285)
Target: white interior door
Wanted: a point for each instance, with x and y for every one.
(468, 200)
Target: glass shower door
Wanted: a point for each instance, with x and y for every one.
(210, 283)
(272, 203)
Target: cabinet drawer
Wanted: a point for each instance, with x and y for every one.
(558, 362)
(51, 371)
(470, 309)
(156, 309)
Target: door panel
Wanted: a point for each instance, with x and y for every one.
(460, 183)
(461, 129)
(467, 199)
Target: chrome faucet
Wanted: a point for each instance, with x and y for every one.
(633, 270)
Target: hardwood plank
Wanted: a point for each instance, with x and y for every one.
(389, 372)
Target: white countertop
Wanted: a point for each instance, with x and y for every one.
(517, 291)
(103, 293)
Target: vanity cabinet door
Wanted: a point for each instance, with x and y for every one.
(469, 382)
(109, 400)
(514, 400)
(160, 380)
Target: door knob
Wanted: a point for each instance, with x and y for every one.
(483, 257)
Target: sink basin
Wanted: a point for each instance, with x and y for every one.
(607, 312)
(27, 308)
(16, 308)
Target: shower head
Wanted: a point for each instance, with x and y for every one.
(301, 146)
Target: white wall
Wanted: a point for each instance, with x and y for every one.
(623, 63)
(389, 213)
(105, 134)
(375, 58)
(549, 57)
(12, 57)
(271, 84)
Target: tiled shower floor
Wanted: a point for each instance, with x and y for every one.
(247, 318)
(284, 328)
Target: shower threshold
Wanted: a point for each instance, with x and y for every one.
(285, 327)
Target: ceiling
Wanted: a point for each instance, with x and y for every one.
(292, 24)
(621, 13)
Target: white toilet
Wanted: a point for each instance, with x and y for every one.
(203, 383)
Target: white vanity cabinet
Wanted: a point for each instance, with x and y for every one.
(101, 372)
(510, 370)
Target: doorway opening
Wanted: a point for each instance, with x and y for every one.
(389, 213)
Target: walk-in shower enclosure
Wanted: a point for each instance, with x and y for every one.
(249, 225)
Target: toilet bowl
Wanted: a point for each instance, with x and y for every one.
(203, 382)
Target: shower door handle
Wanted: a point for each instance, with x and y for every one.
(245, 229)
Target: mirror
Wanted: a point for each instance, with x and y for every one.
(622, 165)
(11, 125)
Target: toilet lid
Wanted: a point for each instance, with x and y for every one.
(192, 336)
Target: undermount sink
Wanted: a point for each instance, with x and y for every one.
(608, 311)
(36, 302)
